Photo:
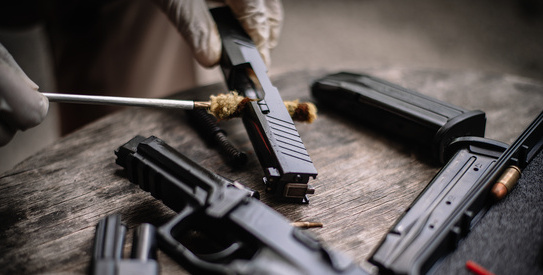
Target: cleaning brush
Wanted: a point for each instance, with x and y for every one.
(222, 106)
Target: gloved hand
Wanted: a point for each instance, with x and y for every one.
(261, 19)
(21, 105)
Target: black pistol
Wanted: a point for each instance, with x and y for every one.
(108, 249)
(280, 150)
(413, 116)
(221, 227)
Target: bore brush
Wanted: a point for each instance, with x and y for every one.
(222, 106)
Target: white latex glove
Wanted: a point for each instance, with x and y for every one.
(261, 19)
(21, 105)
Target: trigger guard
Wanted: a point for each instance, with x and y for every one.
(225, 253)
(179, 252)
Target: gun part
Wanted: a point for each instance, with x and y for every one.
(453, 201)
(126, 101)
(108, 249)
(405, 113)
(222, 227)
(278, 146)
(206, 125)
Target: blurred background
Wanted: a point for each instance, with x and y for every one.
(146, 56)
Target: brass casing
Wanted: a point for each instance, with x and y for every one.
(510, 177)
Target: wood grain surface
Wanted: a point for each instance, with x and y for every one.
(51, 202)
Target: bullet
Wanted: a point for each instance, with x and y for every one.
(506, 182)
(306, 225)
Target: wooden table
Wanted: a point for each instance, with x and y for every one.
(51, 202)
